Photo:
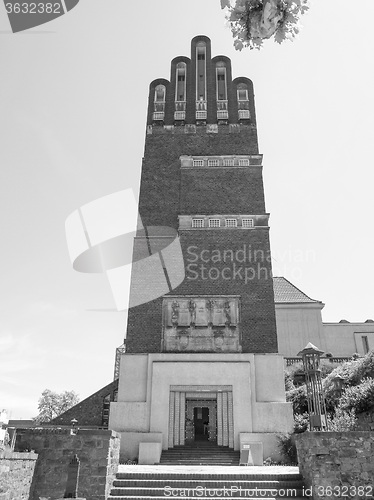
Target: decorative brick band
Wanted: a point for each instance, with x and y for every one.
(223, 221)
(230, 161)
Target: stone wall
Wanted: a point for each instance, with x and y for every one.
(337, 464)
(97, 450)
(16, 474)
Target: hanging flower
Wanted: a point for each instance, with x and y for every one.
(253, 21)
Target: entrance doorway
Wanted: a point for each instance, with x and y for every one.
(201, 424)
(201, 413)
(201, 419)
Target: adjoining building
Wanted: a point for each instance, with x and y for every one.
(299, 321)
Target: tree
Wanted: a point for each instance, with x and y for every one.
(253, 21)
(51, 404)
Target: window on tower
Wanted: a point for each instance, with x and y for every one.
(201, 102)
(221, 86)
(180, 92)
(159, 103)
(243, 102)
(243, 162)
(247, 223)
(231, 223)
(214, 223)
(197, 222)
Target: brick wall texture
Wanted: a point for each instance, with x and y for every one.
(88, 412)
(168, 190)
(97, 450)
(16, 475)
(336, 464)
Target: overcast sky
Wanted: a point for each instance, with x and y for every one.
(73, 97)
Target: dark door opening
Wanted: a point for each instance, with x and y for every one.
(201, 423)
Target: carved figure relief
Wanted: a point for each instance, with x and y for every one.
(210, 307)
(174, 313)
(227, 311)
(192, 309)
(201, 324)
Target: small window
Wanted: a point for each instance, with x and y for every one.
(180, 93)
(197, 222)
(214, 223)
(247, 223)
(221, 82)
(160, 91)
(228, 162)
(365, 344)
(242, 95)
(198, 163)
(213, 163)
(244, 162)
(231, 223)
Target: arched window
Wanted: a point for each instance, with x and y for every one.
(243, 102)
(159, 102)
(221, 94)
(180, 92)
(201, 104)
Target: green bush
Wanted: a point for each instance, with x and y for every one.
(342, 420)
(358, 397)
(298, 399)
(295, 372)
(301, 423)
(353, 372)
(288, 448)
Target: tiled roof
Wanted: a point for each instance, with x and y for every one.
(285, 292)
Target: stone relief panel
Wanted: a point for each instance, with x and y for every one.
(201, 324)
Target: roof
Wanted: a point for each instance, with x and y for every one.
(287, 293)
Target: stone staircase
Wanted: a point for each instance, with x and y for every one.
(178, 483)
(203, 453)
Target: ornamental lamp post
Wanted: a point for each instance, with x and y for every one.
(311, 357)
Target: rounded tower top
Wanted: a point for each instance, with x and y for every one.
(201, 91)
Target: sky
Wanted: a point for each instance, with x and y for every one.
(73, 98)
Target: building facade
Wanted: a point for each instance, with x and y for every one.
(201, 359)
(299, 321)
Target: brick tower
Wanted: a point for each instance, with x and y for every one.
(201, 337)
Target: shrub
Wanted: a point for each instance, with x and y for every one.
(353, 371)
(342, 420)
(301, 423)
(288, 448)
(295, 373)
(298, 399)
(359, 397)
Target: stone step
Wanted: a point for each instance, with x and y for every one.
(181, 483)
(193, 483)
(246, 475)
(120, 497)
(229, 490)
